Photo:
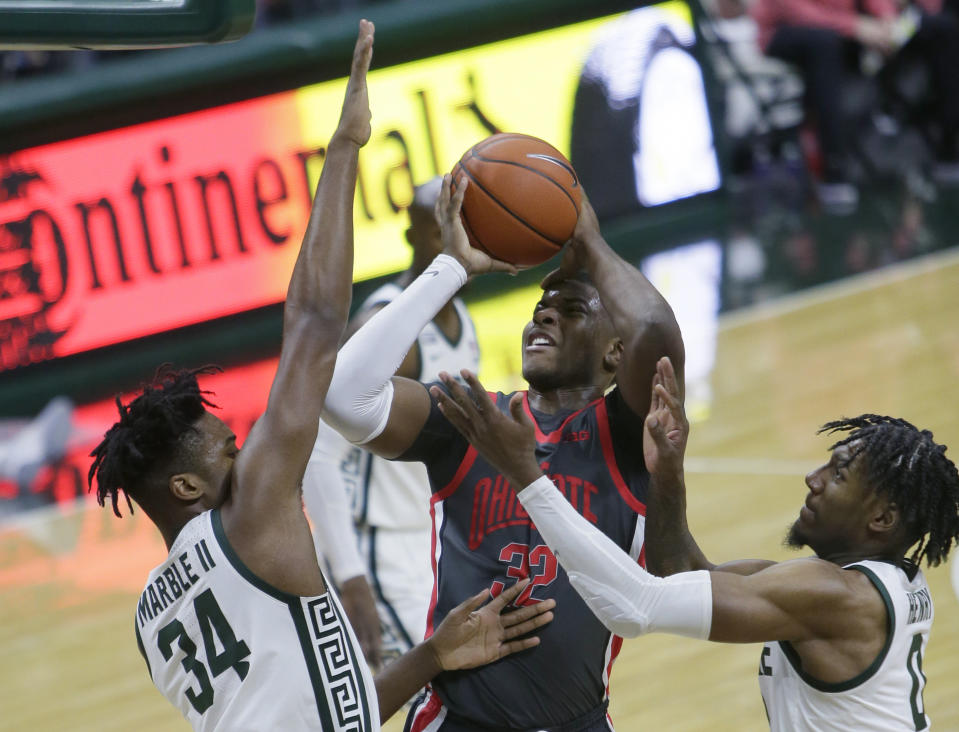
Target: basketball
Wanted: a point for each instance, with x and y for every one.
(523, 198)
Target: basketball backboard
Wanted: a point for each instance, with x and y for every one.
(121, 24)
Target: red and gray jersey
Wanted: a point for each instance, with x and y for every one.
(482, 537)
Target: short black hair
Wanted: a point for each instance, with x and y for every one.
(147, 434)
(906, 464)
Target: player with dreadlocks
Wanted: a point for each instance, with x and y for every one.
(844, 631)
(906, 465)
(155, 430)
(237, 625)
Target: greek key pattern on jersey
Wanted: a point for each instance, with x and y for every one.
(340, 674)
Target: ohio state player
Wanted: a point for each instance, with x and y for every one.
(598, 321)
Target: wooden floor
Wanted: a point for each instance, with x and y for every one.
(886, 343)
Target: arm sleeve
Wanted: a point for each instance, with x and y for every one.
(626, 598)
(327, 502)
(360, 394)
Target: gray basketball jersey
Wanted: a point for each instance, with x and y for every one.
(234, 654)
(886, 696)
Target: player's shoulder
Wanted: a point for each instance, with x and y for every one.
(622, 419)
(809, 567)
(823, 581)
(614, 402)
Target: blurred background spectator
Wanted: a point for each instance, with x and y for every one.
(870, 69)
(26, 446)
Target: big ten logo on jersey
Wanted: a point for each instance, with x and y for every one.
(179, 575)
(538, 563)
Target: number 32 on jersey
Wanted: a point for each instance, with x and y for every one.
(522, 561)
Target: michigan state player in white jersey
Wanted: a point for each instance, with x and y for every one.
(845, 630)
(238, 626)
(374, 533)
(888, 692)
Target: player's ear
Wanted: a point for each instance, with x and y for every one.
(886, 519)
(187, 487)
(614, 354)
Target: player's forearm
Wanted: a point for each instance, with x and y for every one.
(670, 546)
(358, 402)
(640, 316)
(627, 599)
(626, 293)
(314, 316)
(323, 274)
(405, 676)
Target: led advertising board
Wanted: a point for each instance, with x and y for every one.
(144, 229)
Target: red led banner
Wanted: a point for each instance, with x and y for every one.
(144, 229)
(149, 228)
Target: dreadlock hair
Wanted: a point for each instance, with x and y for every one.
(905, 464)
(147, 434)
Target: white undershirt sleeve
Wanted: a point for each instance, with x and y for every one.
(625, 597)
(360, 394)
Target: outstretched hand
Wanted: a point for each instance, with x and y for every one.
(355, 117)
(507, 441)
(455, 242)
(472, 635)
(666, 429)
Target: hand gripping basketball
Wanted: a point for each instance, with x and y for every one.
(523, 199)
(455, 242)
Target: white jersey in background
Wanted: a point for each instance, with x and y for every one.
(887, 696)
(234, 654)
(395, 495)
(389, 501)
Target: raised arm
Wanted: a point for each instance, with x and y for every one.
(272, 462)
(670, 547)
(367, 404)
(799, 600)
(641, 316)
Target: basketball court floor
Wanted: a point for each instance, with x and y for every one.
(886, 342)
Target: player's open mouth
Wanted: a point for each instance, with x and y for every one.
(539, 340)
